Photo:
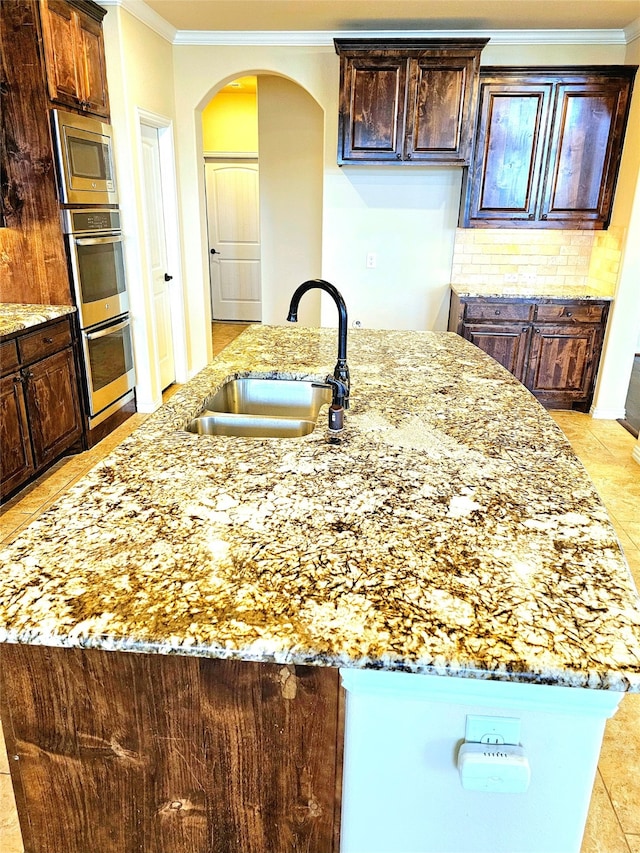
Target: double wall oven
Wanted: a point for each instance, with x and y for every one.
(91, 223)
(94, 243)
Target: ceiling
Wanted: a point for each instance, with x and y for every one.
(340, 15)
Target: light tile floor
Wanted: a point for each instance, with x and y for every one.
(605, 449)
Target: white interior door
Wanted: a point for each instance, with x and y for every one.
(233, 220)
(156, 244)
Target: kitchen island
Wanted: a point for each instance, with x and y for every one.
(450, 543)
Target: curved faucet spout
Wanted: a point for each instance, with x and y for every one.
(341, 370)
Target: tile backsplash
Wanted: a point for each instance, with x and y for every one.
(514, 260)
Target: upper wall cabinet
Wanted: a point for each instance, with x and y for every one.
(547, 147)
(74, 54)
(407, 101)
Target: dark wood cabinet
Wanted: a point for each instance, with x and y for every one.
(547, 147)
(552, 346)
(407, 101)
(74, 54)
(40, 402)
(116, 752)
(16, 458)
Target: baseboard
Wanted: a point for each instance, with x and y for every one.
(636, 453)
(607, 414)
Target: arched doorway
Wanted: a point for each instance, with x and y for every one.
(288, 160)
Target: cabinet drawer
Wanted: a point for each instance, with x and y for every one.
(573, 312)
(45, 341)
(498, 311)
(8, 357)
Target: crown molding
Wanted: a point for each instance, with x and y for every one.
(322, 38)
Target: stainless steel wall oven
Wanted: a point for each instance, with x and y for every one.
(95, 252)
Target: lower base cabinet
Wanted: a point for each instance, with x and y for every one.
(39, 402)
(552, 346)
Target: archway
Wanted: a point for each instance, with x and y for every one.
(290, 140)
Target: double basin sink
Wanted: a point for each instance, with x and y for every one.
(255, 407)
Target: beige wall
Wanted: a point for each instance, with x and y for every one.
(406, 216)
(623, 333)
(290, 138)
(140, 76)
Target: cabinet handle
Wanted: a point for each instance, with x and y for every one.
(47, 340)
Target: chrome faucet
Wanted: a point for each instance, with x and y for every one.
(339, 382)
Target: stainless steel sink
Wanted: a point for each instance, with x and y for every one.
(262, 408)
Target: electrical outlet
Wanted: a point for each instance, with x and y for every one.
(492, 730)
(372, 260)
(357, 324)
(511, 278)
(528, 278)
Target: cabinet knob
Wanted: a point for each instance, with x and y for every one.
(497, 311)
(409, 156)
(525, 328)
(398, 156)
(544, 216)
(18, 380)
(568, 313)
(537, 331)
(47, 340)
(530, 216)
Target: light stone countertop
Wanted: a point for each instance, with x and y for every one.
(533, 291)
(453, 531)
(16, 317)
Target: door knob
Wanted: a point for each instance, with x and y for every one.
(215, 252)
(168, 277)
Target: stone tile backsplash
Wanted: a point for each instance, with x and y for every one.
(515, 260)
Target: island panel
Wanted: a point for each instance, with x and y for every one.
(125, 753)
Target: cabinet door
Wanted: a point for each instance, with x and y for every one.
(59, 36)
(92, 65)
(372, 109)
(439, 110)
(585, 151)
(562, 361)
(54, 410)
(74, 57)
(504, 180)
(16, 460)
(507, 343)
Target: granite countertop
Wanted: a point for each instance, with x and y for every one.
(452, 531)
(534, 291)
(16, 317)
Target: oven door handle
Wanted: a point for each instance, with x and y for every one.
(93, 336)
(92, 241)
